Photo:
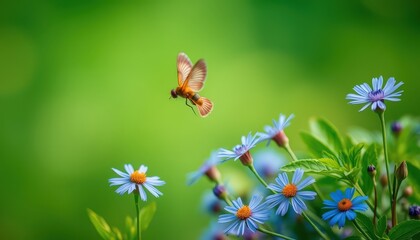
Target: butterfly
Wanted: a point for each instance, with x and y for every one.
(190, 81)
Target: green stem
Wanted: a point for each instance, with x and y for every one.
(136, 200)
(252, 168)
(323, 236)
(394, 205)
(383, 128)
(360, 230)
(274, 233)
(291, 153)
(375, 201)
(360, 191)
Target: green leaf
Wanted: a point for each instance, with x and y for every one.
(329, 162)
(366, 225)
(313, 166)
(405, 230)
(327, 133)
(354, 238)
(101, 225)
(381, 226)
(146, 215)
(355, 155)
(368, 158)
(315, 146)
(130, 226)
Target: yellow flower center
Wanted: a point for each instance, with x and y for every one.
(138, 177)
(289, 190)
(244, 212)
(344, 205)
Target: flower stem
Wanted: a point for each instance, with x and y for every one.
(375, 201)
(360, 229)
(321, 234)
(360, 191)
(394, 205)
(291, 153)
(136, 200)
(252, 168)
(274, 233)
(382, 118)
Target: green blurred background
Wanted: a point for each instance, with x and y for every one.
(84, 87)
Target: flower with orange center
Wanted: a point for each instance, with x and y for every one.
(290, 193)
(342, 206)
(244, 216)
(136, 180)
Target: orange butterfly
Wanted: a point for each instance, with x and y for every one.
(190, 81)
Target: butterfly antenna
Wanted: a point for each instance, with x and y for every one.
(186, 103)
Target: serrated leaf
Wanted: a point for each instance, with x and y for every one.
(312, 166)
(355, 155)
(366, 225)
(381, 226)
(329, 162)
(326, 132)
(100, 225)
(405, 230)
(315, 146)
(146, 215)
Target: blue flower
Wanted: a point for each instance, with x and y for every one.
(242, 150)
(136, 180)
(276, 132)
(245, 216)
(343, 207)
(377, 95)
(290, 193)
(207, 168)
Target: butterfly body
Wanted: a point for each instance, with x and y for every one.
(190, 81)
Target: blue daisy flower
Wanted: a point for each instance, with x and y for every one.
(245, 216)
(208, 168)
(342, 206)
(377, 95)
(241, 151)
(136, 180)
(276, 132)
(290, 193)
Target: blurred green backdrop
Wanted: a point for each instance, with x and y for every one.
(84, 87)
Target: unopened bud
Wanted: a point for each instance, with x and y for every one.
(408, 191)
(371, 170)
(402, 171)
(383, 180)
(396, 128)
(220, 191)
(414, 212)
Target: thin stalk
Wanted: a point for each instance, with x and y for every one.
(274, 233)
(136, 200)
(291, 153)
(375, 201)
(323, 236)
(252, 168)
(383, 128)
(360, 229)
(360, 191)
(394, 205)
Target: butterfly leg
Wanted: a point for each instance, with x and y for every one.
(186, 103)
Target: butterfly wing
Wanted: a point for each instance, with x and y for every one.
(197, 76)
(184, 66)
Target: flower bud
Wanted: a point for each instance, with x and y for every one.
(384, 180)
(408, 191)
(396, 128)
(414, 212)
(371, 170)
(402, 171)
(220, 191)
